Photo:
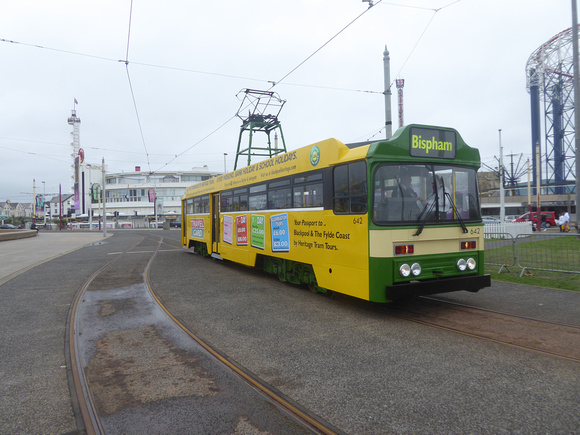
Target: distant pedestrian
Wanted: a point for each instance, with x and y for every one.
(566, 222)
(543, 222)
(561, 222)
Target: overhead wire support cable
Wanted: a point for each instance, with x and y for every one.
(76, 53)
(198, 142)
(418, 40)
(324, 45)
(129, 32)
(188, 70)
(126, 62)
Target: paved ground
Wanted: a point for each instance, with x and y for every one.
(36, 294)
(362, 371)
(18, 256)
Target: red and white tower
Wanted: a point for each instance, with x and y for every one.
(400, 83)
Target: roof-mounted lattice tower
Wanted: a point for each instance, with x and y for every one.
(550, 76)
(263, 108)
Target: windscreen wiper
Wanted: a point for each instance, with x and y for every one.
(427, 212)
(456, 212)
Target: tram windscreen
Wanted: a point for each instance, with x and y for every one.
(407, 194)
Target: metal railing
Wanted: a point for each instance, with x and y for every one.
(500, 250)
(548, 252)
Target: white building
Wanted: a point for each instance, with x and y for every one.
(139, 199)
(18, 209)
(59, 206)
(132, 199)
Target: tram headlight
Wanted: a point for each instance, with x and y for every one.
(404, 270)
(461, 265)
(471, 264)
(416, 269)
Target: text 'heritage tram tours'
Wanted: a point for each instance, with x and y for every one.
(378, 220)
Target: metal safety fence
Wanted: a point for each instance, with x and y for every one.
(547, 252)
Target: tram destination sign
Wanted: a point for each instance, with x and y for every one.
(429, 142)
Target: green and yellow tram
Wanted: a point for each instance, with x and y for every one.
(378, 221)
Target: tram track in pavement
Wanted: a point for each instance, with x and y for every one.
(536, 335)
(130, 357)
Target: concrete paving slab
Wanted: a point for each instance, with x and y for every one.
(19, 256)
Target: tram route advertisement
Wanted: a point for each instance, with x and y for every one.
(257, 231)
(198, 228)
(285, 234)
(228, 232)
(242, 230)
(280, 233)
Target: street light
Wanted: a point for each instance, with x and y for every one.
(44, 202)
(225, 170)
(91, 200)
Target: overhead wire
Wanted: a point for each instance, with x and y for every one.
(324, 45)
(85, 147)
(131, 88)
(49, 157)
(198, 142)
(435, 10)
(273, 84)
(276, 83)
(76, 53)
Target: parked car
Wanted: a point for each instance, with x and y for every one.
(550, 217)
(8, 227)
(490, 220)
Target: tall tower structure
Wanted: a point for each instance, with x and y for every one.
(78, 157)
(400, 84)
(387, 92)
(550, 75)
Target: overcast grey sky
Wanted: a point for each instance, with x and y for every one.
(463, 63)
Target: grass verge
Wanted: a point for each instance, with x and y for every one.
(564, 281)
(536, 253)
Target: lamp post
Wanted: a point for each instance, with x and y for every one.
(43, 202)
(225, 170)
(501, 176)
(103, 191)
(89, 167)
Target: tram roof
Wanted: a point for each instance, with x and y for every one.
(331, 152)
(416, 141)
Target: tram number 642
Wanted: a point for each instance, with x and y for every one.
(357, 220)
(474, 230)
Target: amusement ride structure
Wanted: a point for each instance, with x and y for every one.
(550, 77)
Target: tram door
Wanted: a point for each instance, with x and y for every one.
(215, 222)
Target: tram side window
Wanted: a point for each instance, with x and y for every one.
(201, 204)
(189, 206)
(226, 200)
(280, 198)
(258, 197)
(279, 194)
(308, 195)
(240, 200)
(350, 188)
(307, 190)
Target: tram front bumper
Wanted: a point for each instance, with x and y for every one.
(472, 283)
